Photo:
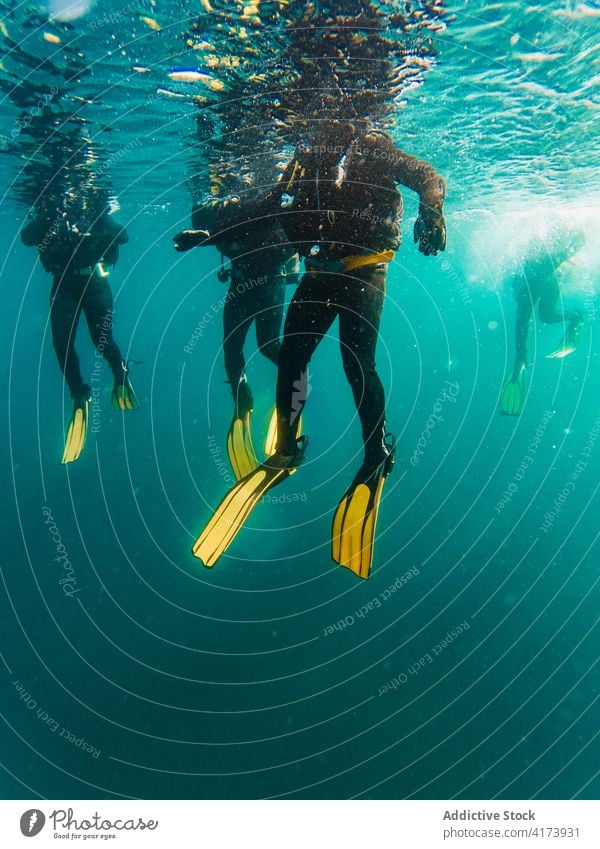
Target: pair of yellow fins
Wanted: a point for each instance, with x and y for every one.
(122, 398)
(240, 447)
(512, 399)
(355, 520)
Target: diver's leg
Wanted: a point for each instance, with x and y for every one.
(98, 307)
(551, 309)
(270, 300)
(309, 316)
(524, 303)
(65, 309)
(237, 318)
(360, 317)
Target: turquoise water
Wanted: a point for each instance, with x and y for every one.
(466, 666)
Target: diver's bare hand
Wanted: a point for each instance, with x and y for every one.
(188, 239)
(430, 230)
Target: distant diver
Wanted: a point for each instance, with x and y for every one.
(261, 263)
(339, 205)
(77, 255)
(538, 285)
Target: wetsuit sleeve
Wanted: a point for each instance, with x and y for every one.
(421, 177)
(202, 217)
(106, 236)
(111, 232)
(228, 217)
(34, 231)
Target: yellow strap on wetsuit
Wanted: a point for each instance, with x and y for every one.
(347, 263)
(352, 262)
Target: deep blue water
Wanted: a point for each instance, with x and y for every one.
(189, 683)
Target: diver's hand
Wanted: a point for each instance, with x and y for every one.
(188, 239)
(430, 230)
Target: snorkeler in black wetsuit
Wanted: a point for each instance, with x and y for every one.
(77, 256)
(261, 263)
(340, 207)
(343, 213)
(538, 285)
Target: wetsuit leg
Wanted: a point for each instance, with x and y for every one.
(238, 314)
(551, 310)
(360, 317)
(525, 301)
(65, 309)
(270, 301)
(98, 307)
(310, 314)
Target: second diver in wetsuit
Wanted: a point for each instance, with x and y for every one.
(77, 255)
(538, 285)
(261, 263)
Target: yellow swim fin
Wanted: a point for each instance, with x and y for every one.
(77, 430)
(513, 394)
(239, 503)
(240, 449)
(355, 520)
(271, 440)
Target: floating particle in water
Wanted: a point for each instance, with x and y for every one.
(192, 75)
(69, 10)
(150, 22)
(492, 325)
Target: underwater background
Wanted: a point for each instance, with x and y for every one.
(466, 666)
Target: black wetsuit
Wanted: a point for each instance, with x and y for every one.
(258, 253)
(335, 204)
(78, 287)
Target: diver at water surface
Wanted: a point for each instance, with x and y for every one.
(261, 261)
(538, 285)
(339, 205)
(77, 254)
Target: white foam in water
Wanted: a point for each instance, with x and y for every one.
(512, 232)
(69, 10)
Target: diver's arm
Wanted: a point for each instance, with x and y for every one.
(421, 177)
(34, 231)
(185, 240)
(122, 236)
(211, 222)
(107, 230)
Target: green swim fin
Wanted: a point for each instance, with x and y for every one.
(239, 503)
(355, 520)
(570, 342)
(513, 394)
(240, 449)
(77, 430)
(123, 396)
